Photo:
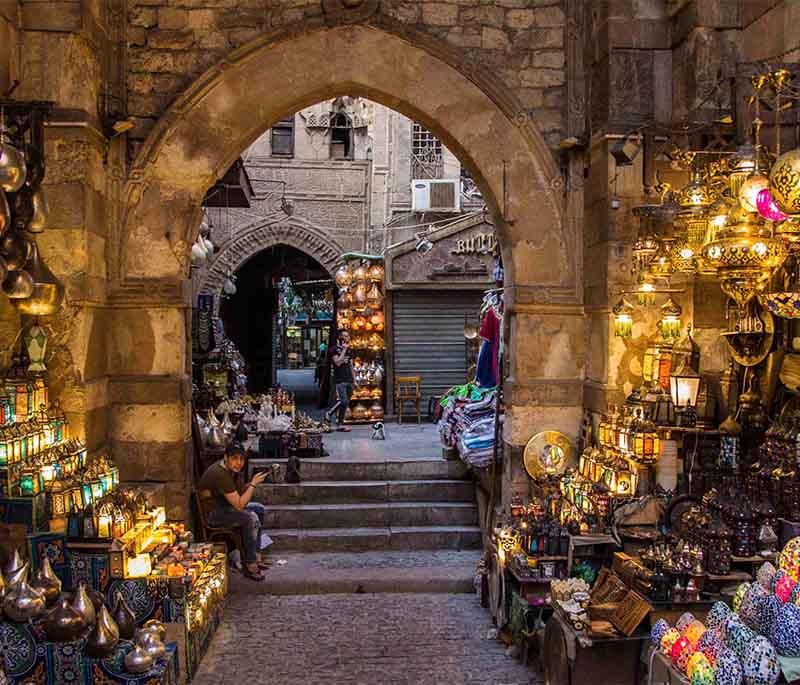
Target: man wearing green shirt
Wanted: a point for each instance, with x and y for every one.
(230, 505)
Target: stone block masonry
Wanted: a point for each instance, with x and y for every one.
(171, 42)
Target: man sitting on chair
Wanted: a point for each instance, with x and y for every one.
(230, 506)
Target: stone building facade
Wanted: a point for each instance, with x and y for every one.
(501, 83)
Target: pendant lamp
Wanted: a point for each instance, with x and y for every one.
(48, 292)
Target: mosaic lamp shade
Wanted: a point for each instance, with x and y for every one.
(728, 668)
(786, 634)
(697, 659)
(668, 641)
(684, 620)
(789, 560)
(694, 631)
(760, 663)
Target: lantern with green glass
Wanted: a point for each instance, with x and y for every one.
(29, 481)
(34, 438)
(19, 445)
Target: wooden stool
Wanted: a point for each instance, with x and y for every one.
(408, 389)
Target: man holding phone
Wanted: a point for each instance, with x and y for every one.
(230, 506)
(344, 378)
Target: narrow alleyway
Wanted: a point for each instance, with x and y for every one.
(380, 639)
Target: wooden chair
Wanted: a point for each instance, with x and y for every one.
(232, 537)
(408, 389)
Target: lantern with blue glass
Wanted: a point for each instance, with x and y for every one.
(79, 449)
(86, 492)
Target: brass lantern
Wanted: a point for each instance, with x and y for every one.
(344, 276)
(670, 323)
(623, 319)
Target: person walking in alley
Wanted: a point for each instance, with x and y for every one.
(344, 378)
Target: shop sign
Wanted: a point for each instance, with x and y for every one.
(480, 243)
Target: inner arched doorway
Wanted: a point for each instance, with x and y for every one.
(228, 107)
(280, 346)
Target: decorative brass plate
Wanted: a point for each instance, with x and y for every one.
(548, 454)
(749, 349)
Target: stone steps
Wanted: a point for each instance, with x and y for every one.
(301, 573)
(378, 514)
(398, 538)
(345, 491)
(434, 468)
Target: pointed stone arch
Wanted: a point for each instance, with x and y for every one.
(246, 245)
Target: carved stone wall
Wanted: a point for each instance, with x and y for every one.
(246, 244)
(518, 43)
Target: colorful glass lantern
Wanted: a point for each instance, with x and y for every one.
(5, 444)
(623, 319)
(75, 496)
(29, 481)
(670, 323)
(107, 482)
(39, 393)
(6, 407)
(19, 446)
(789, 560)
(97, 487)
(375, 297)
(86, 490)
(58, 495)
(104, 519)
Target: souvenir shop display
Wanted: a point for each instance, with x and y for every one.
(360, 311)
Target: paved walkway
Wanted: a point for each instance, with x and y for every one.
(384, 639)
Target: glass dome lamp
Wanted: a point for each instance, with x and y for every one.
(784, 182)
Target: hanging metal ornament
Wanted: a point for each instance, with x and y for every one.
(15, 249)
(229, 286)
(47, 295)
(5, 213)
(18, 285)
(12, 167)
(198, 255)
(40, 211)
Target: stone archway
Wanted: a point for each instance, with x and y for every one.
(228, 107)
(235, 253)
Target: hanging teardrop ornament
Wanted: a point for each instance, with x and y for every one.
(15, 249)
(18, 285)
(48, 292)
(39, 213)
(5, 213)
(12, 168)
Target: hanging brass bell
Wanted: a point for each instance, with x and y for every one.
(48, 292)
(12, 168)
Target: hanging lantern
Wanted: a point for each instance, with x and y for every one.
(623, 320)
(645, 294)
(375, 297)
(670, 323)
(784, 182)
(58, 495)
(198, 254)
(360, 297)
(767, 206)
(104, 523)
(228, 286)
(376, 273)
(343, 276)
(35, 341)
(753, 185)
(684, 386)
(13, 170)
(360, 274)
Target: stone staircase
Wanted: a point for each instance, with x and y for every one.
(368, 506)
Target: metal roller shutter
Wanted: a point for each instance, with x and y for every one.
(428, 334)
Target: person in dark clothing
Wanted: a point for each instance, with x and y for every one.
(344, 378)
(230, 506)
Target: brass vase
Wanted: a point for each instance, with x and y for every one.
(23, 603)
(63, 624)
(157, 626)
(47, 582)
(83, 605)
(15, 563)
(138, 660)
(103, 639)
(14, 578)
(124, 618)
(152, 645)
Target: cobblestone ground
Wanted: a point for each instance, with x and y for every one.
(391, 639)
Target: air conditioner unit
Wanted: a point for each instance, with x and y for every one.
(436, 195)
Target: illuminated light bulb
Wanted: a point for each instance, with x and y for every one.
(760, 249)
